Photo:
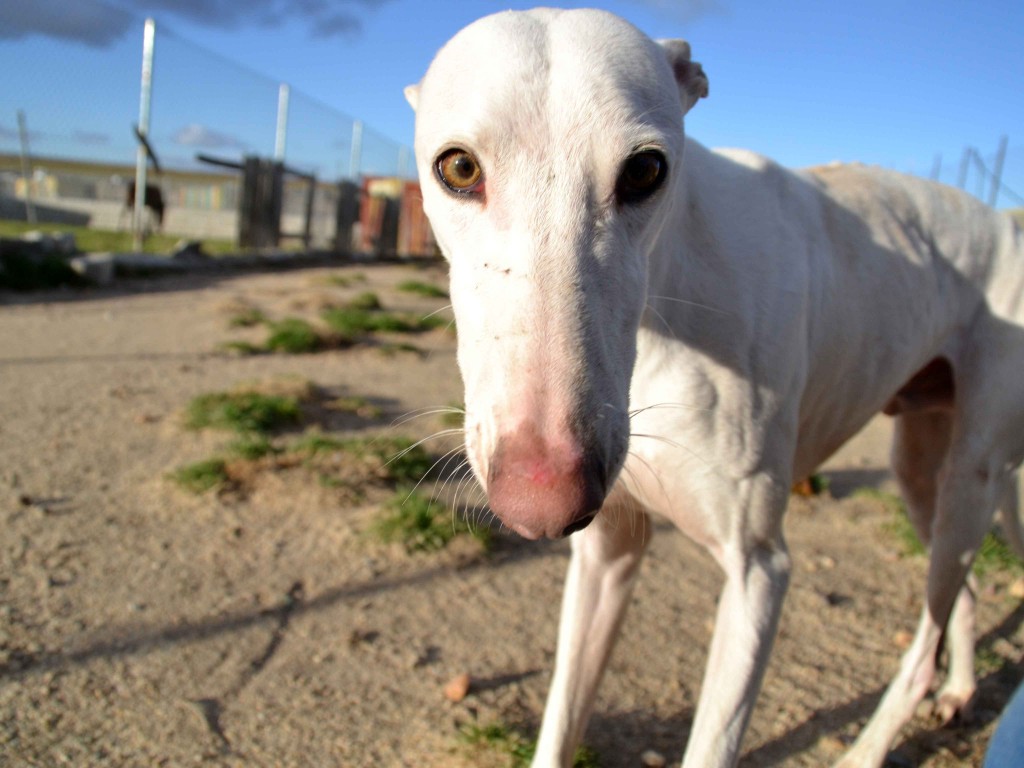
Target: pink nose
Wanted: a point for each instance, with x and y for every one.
(541, 488)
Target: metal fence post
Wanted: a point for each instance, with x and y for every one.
(26, 168)
(145, 96)
(355, 159)
(282, 121)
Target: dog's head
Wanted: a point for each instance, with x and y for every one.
(548, 144)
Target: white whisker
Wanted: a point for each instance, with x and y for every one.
(692, 304)
(681, 406)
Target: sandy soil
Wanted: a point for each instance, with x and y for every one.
(141, 625)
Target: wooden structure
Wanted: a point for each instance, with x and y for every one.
(391, 218)
(262, 198)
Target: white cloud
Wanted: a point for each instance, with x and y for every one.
(195, 135)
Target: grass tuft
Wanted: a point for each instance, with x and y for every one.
(423, 289)
(500, 738)
(422, 524)
(293, 336)
(993, 555)
(367, 301)
(201, 476)
(247, 318)
(252, 447)
(242, 412)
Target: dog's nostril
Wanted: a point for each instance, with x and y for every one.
(578, 525)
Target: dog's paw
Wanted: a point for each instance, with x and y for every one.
(954, 708)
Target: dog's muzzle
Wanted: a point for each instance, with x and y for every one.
(540, 489)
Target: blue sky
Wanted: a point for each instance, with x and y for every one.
(889, 82)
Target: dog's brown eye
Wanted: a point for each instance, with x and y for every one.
(459, 171)
(641, 176)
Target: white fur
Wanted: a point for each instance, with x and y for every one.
(732, 331)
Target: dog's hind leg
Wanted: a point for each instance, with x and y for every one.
(970, 483)
(602, 571)
(920, 447)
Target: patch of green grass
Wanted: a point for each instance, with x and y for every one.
(405, 461)
(987, 661)
(88, 239)
(201, 476)
(401, 460)
(247, 318)
(293, 336)
(993, 555)
(898, 526)
(242, 412)
(417, 522)
(315, 443)
(351, 322)
(422, 524)
(367, 301)
(504, 740)
(252, 447)
(423, 289)
(996, 555)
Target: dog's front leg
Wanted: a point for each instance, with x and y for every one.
(598, 586)
(748, 612)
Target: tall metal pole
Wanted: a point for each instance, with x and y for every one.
(282, 121)
(26, 168)
(355, 159)
(145, 95)
(997, 172)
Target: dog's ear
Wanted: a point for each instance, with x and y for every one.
(693, 83)
(412, 95)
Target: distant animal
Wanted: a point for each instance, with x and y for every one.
(649, 326)
(154, 201)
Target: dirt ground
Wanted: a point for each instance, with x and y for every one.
(141, 625)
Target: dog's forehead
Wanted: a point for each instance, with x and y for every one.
(519, 70)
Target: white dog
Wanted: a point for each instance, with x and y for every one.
(644, 324)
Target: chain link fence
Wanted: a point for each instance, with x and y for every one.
(68, 142)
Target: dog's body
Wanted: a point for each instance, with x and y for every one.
(713, 326)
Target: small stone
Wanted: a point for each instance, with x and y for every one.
(653, 759)
(832, 744)
(1017, 589)
(902, 639)
(458, 687)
